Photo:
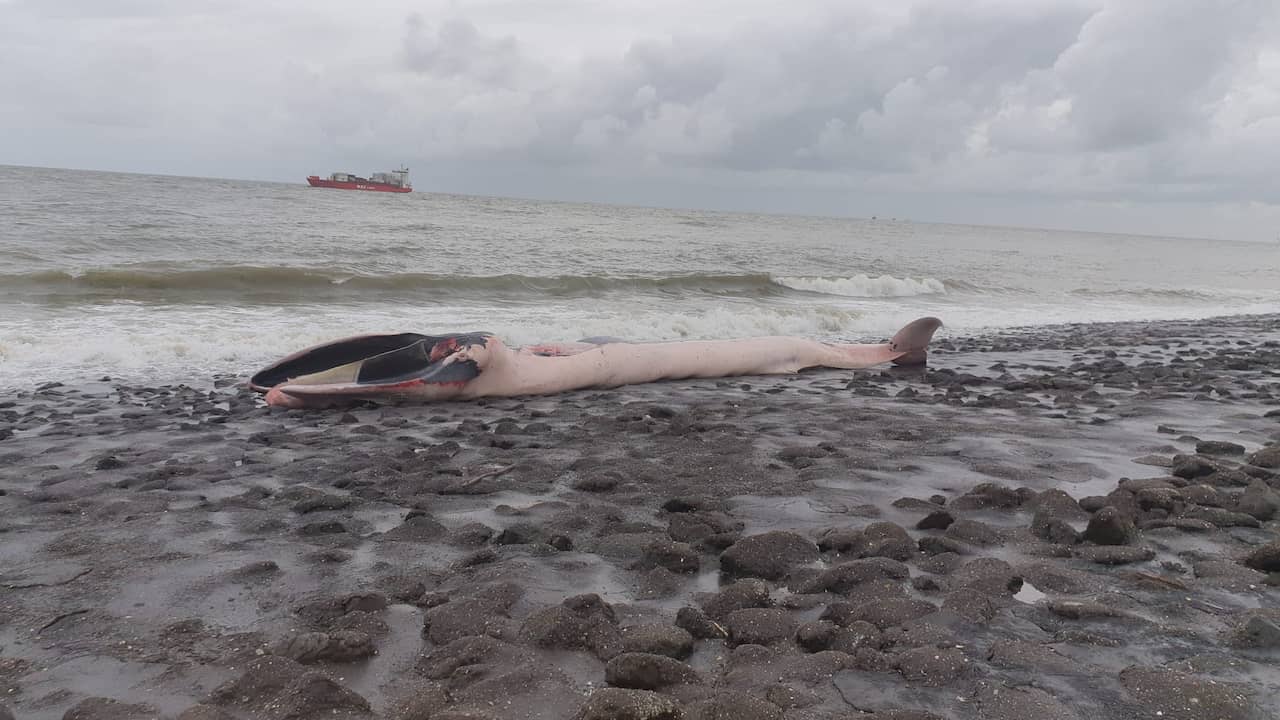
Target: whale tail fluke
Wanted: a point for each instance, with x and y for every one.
(913, 341)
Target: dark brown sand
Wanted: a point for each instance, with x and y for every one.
(1076, 522)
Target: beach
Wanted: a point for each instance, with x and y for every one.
(1063, 521)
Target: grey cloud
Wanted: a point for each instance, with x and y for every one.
(1099, 101)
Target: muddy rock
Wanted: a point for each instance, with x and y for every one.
(314, 695)
(200, 712)
(990, 575)
(1003, 702)
(645, 671)
(974, 532)
(1219, 447)
(337, 646)
(284, 689)
(987, 496)
(1267, 457)
(699, 625)
(100, 708)
(932, 667)
(1081, 610)
(882, 612)
(624, 704)
(759, 626)
(581, 622)
(666, 640)
(465, 616)
(1220, 517)
(677, 557)
(845, 576)
(735, 706)
(971, 604)
(1190, 467)
(1055, 503)
(1265, 558)
(1259, 501)
(936, 520)
(1259, 629)
(1109, 527)
(739, 595)
(885, 539)
(769, 555)
(1179, 696)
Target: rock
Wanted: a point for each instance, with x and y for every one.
(990, 575)
(735, 706)
(1190, 467)
(596, 483)
(285, 688)
(1055, 503)
(1256, 632)
(338, 646)
(843, 577)
(769, 555)
(739, 595)
(196, 712)
(1054, 530)
(315, 695)
(699, 625)
(882, 612)
(1221, 517)
(1167, 499)
(816, 636)
(462, 617)
(1265, 558)
(1004, 702)
(320, 502)
(1267, 457)
(623, 704)
(1115, 554)
(1219, 447)
(932, 667)
(1109, 527)
(759, 626)
(581, 622)
(674, 556)
(936, 520)
(1259, 501)
(1178, 696)
(971, 604)
(886, 539)
(989, 495)
(666, 640)
(645, 671)
(1080, 610)
(974, 533)
(100, 708)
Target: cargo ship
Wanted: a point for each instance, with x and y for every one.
(396, 181)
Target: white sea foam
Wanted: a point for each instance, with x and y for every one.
(865, 286)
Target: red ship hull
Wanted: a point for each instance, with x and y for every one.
(316, 181)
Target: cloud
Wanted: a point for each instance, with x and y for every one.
(1137, 103)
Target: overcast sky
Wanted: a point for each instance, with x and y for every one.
(1149, 116)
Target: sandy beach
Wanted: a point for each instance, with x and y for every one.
(1065, 522)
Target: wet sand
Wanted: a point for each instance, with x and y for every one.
(1068, 522)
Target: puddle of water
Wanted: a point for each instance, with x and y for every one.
(1029, 594)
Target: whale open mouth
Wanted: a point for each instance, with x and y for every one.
(376, 360)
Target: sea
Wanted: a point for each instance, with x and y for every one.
(175, 280)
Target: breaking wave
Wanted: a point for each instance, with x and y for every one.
(308, 284)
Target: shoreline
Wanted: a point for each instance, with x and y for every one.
(893, 541)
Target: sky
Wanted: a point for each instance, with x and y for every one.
(1140, 116)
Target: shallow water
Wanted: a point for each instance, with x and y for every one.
(171, 279)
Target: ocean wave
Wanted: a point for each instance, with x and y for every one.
(312, 284)
(865, 286)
